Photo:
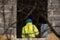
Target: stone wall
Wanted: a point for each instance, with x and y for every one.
(8, 8)
(54, 12)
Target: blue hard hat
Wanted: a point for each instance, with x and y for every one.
(29, 20)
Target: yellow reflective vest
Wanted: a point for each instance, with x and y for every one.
(29, 31)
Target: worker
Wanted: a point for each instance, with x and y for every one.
(44, 30)
(29, 30)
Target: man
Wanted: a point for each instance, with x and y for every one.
(29, 30)
(44, 30)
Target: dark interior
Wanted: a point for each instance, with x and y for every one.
(26, 6)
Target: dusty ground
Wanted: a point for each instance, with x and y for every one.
(52, 36)
(4, 37)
